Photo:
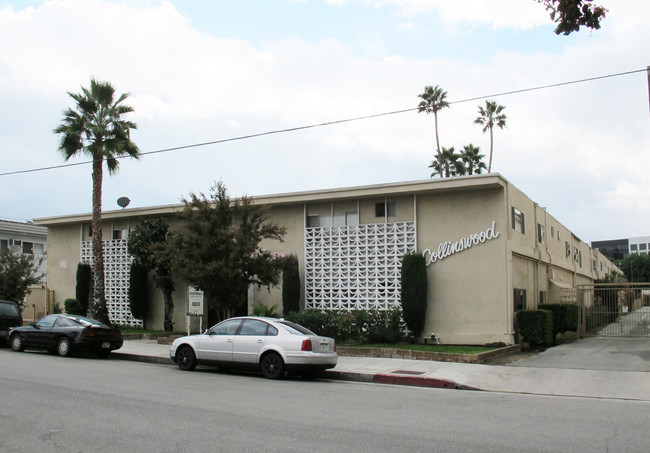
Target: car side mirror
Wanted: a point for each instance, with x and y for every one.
(33, 324)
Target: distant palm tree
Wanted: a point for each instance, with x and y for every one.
(448, 164)
(473, 159)
(433, 100)
(491, 116)
(96, 128)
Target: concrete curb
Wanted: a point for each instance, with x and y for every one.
(142, 358)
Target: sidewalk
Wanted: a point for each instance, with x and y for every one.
(516, 378)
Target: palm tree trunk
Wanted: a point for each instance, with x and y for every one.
(435, 119)
(98, 308)
(491, 145)
(169, 311)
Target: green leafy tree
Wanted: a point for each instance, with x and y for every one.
(149, 245)
(636, 267)
(491, 116)
(472, 159)
(290, 285)
(570, 15)
(448, 164)
(96, 128)
(17, 273)
(414, 292)
(433, 100)
(219, 250)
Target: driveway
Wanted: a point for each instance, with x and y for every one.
(597, 353)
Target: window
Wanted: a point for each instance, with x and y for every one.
(313, 221)
(633, 247)
(594, 264)
(4, 245)
(558, 235)
(643, 246)
(520, 299)
(385, 209)
(518, 220)
(228, 327)
(253, 327)
(28, 248)
(552, 231)
(540, 233)
(542, 297)
(568, 249)
(39, 249)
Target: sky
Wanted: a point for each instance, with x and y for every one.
(211, 71)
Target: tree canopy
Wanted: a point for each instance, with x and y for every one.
(219, 249)
(17, 273)
(570, 15)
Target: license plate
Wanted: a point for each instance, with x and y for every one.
(106, 344)
(324, 347)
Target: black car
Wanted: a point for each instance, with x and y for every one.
(10, 316)
(65, 334)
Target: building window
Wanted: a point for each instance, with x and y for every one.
(643, 246)
(552, 231)
(558, 235)
(542, 297)
(568, 249)
(633, 247)
(540, 233)
(28, 248)
(313, 221)
(518, 220)
(385, 209)
(120, 234)
(4, 245)
(520, 299)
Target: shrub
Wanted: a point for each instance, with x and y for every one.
(83, 289)
(260, 309)
(321, 322)
(565, 317)
(290, 285)
(138, 290)
(73, 307)
(414, 292)
(536, 327)
(385, 326)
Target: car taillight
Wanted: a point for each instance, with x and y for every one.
(88, 333)
(306, 345)
(334, 345)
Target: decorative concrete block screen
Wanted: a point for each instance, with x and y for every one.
(356, 267)
(117, 268)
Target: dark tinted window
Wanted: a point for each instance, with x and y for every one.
(253, 327)
(293, 328)
(64, 322)
(9, 309)
(48, 321)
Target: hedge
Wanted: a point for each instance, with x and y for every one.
(536, 327)
(565, 317)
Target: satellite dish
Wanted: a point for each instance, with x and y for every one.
(123, 202)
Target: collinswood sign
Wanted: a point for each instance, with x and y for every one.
(449, 248)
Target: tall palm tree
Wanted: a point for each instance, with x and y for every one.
(491, 116)
(96, 128)
(473, 159)
(433, 100)
(447, 164)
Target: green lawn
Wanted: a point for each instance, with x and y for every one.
(448, 349)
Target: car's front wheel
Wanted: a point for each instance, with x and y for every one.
(16, 342)
(272, 365)
(63, 347)
(186, 358)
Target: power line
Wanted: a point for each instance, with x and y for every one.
(331, 123)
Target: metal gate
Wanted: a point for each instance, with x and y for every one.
(614, 309)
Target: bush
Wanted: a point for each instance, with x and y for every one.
(385, 326)
(290, 285)
(414, 292)
(74, 307)
(83, 289)
(536, 327)
(565, 317)
(321, 322)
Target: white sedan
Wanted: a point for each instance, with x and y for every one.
(274, 346)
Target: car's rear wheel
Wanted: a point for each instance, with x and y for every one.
(63, 347)
(272, 365)
(16, 342)
(186, 358)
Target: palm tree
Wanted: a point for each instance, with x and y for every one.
(96, 128)
(433, 100)
(447, 164)
(491, 116)
(473, 159)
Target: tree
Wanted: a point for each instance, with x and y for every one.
(433, 100)
(491, 116)
(96, 128)
(17, 273)
(473, 159)
(290, 285)
(414, 292)
(448, 164)
(570, 15)
(218, 249)
(636, 267)
(149, 245)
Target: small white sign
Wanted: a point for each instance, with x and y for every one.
(194, 302)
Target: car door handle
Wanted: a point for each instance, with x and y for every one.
(260, 341)
(229, 340)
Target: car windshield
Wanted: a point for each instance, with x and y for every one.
(87, 322)
(295, 328)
